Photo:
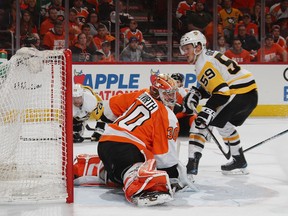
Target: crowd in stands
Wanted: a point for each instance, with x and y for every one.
(92, 27)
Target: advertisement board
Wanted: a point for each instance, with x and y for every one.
(110, 80)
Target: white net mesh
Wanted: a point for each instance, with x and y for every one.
(32, 126)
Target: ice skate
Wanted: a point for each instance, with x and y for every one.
(238, 166)
(192, 165)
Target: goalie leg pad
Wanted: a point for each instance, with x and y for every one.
(146, 186)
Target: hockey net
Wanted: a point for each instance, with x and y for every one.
(36, 127)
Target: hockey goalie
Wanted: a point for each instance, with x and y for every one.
(138, 150)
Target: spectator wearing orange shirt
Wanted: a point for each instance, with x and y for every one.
(56, 4)
(209, 31)
(103, 35)
(55, 38)
(271, 52)
(251, 28)
(183, 7)
(245, 6)
(133, 31)
(181, 12)
(278, 39)
(106, 54)
(237, 53)
(48, 24)
(74, 28)
(82, 13)
(279, 10)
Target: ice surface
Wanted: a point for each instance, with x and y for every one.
(263, 192)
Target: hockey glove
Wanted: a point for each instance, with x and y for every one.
(99, 130)
(77, 138)
(178, 108)
(191, 100)
(204, 118)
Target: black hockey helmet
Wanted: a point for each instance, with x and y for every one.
(178, 76)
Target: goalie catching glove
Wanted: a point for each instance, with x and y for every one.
(204, 118)
(99, 130)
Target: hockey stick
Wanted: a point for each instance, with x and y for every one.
(264, 141)
(89, 128)
(226, 154)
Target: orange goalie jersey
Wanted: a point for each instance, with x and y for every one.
(145, 122)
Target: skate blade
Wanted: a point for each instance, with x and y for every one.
(148, 201)
(239, 171)
(190, 178)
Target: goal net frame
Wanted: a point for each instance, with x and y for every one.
(58, 117)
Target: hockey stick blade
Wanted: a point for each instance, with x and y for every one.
(264, 141)
(226, 154)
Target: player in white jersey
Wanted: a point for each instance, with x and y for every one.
(232, 96)
(86, 103)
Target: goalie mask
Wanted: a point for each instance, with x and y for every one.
(163, 88)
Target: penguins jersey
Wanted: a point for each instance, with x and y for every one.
(221, 76)
(92, 106)
(145, 122)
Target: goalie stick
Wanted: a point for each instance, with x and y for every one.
(264, 141)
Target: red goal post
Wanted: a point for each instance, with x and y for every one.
(36, 120)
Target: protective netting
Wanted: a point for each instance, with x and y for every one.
(32, 126)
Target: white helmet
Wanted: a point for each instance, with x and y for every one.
(77, 90)
(194, 37)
